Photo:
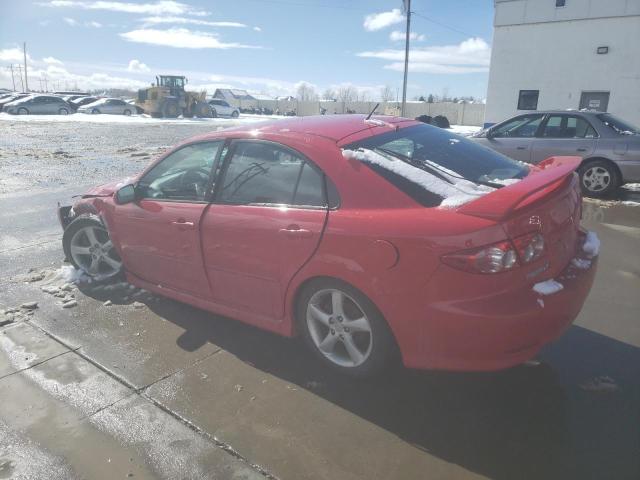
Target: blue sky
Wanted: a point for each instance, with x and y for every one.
(265, 46)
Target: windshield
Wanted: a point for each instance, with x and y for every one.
(618, 125)
(435, 148)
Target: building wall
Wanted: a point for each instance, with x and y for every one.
(555, 53)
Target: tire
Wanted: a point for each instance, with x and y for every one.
(214, 114)
(127, 113)
(598, 178)
(95, 111)
(63, 111)
(319, 324)
(88, 247)
(235, 114)
(23, 111)
(171, 109)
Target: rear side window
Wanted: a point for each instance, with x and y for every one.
(568, 126)
(264, 173)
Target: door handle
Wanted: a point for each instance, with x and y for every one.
(581, 149)
(294, 231)
(521, 148)
(182, 224)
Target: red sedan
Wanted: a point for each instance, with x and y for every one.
(367, 237)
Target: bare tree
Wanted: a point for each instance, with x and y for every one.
(306, 92)
(363, 96)
(329, 94)
(386, 94)
(347, 93)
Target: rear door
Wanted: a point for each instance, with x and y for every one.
(514, 138)
(266, 221)
(564, 134)
(159, 234)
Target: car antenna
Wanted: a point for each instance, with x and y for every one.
(372, 112)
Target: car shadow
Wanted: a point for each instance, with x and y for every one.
(523, 423)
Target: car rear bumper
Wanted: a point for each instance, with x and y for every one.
(500, 331)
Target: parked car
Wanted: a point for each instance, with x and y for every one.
(609, 146)
(11, 98)
(366, 237)
(38, 104)
(79, 102)
(220, 108)
(113, 106)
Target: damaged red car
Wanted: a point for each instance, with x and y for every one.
(371, 238)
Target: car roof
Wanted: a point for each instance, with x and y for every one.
(332, 127)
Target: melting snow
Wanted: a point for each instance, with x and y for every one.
(548, 287)
(461, 192)
(581, 263)
(591, 244)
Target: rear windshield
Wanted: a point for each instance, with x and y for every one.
(618, 125)
(428, 145)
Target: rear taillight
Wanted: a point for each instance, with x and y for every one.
(496, 258)
(530, 247)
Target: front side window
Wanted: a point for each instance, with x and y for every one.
(263, 173)
(568, 126)
(528, 99)
(519, 127)
(184, 175)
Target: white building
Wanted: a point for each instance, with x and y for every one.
(565, 54)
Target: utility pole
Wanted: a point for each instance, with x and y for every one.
(24, 50)
(13, 80)
(19, 67)
(407, 8)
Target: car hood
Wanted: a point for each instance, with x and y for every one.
(107, 189)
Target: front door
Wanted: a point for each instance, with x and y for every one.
(597, 101)
(514, 138)
(266, 221)
(159, 234)
(564, 134)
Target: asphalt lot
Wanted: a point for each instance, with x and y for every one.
(153, 388)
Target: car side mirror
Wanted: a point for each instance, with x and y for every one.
(126, 194)
(489, 133)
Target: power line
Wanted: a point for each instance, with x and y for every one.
(444, 25)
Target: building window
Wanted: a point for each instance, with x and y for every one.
(528, 100)
(560, 3)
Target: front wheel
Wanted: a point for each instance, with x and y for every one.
(63, 111)
(598, 178)
(344, 328)
(235, 114)
(127, 113)
(23, 111)
(88, 247)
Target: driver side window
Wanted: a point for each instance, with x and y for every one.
(525, 126)
(184, 175)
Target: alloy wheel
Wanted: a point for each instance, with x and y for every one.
(596, 179)
(339, 328)
(93, 252)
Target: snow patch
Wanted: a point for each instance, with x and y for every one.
(635, 187)
(461, 192)
(464, 130)
(591, 244)
(504, 181)
(548, 287)
(581, 263)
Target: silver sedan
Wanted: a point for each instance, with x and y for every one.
(113, 106)
(609, 146)
(38, 104)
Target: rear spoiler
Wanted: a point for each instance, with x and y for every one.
(501, 203)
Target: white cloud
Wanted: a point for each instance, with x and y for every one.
(179, 38)
(470, 56)
(51, 61)
(398, 35)
(70, 21)
(137, 66)
(13, 55)
(257, 29)
(93, 24)
(192, 21)
(162, 7)
(378, 21)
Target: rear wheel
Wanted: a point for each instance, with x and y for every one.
(63, 111)
(88, 247)
(235, 114)
(598, 178)
(95, 111)
(343, 328)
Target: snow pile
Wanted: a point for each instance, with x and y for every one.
(504, 181)
(464, 130)
(591, 244)
(634, 187)
(581, 263)
(461, 192)
(548, 287)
